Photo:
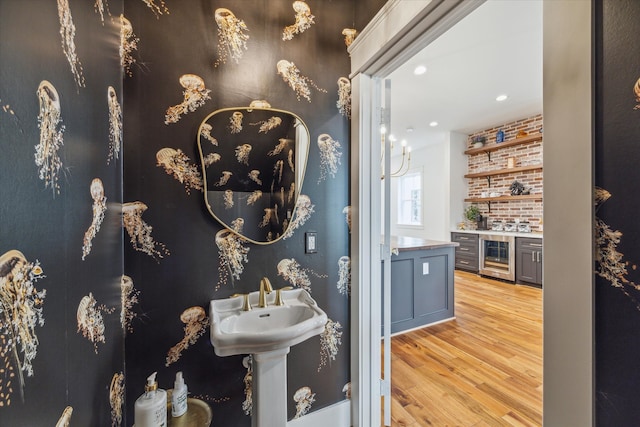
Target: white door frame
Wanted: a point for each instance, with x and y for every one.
(401, 29)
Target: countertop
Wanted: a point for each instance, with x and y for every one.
(404, 243)
(500, 233)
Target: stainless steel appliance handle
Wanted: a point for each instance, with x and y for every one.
(538, 256)
(533, 256)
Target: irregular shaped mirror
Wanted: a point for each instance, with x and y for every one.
(253, 164)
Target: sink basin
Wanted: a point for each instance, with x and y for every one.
(234, 331)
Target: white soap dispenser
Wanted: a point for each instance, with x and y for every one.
(179, 396)
(151, 407)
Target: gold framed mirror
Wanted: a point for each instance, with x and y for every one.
(253, 165)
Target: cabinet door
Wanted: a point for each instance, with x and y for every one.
(526, 265)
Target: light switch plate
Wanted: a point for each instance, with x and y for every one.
(310, 242)
(425, 268)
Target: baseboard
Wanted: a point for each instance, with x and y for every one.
(337, 415)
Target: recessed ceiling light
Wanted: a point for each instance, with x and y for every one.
(502, 97)
(433, 124)
(419, 70)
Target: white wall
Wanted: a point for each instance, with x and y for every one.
(443, 165)
(458, 184)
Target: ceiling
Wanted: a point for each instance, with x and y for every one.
(497, 49)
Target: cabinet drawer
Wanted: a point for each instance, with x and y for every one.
(464, 237)
(469, 248)
(467, 262)
(529, 243)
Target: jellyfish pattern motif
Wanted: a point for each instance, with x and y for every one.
(158, 8)
(130, 296)
(347, 212)
(330, 341)
(128, 45)
(267, 125)
(178, 165)
(247, 405)
(226, 175)
(232, 36)
(282, 144)
(232, 253)
(210, 159)
(116, 398)
(344, 275)
(21, 307)
(196, 323)
(195, 95)
(51, 136)
(304, 209)
(140, 232)
(254, 176)
(304, 20)
(68, 35)
(100, 7)
(205, 132)
(344, 97)
(329, 156)
(65, 418)
(254, 197)
(115, 125)
(235, 122)
(242, 153)
(99, 208)
(304, 398)
(296, 81)
(347, 390)
(291, 271)
(349, 36)
(610, 263)
(90, 320)
(228, 199)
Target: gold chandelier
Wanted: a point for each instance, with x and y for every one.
(405, 164)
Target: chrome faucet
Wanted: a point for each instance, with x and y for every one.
(265, 288)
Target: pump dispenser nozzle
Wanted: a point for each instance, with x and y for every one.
(151, 385)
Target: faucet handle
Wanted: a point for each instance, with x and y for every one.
(246, 306)
(279, 295)
(265, 288)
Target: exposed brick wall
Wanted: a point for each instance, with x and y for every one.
(525, 155)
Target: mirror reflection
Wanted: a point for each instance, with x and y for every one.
(253, 163)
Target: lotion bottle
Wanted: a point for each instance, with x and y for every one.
(179, 396)
(151, 407)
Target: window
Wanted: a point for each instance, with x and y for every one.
(410, 199)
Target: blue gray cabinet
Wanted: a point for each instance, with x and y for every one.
(529, 260)
(422, 287)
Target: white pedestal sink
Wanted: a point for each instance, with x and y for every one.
(267, 333)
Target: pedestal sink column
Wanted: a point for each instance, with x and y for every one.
(270, 388)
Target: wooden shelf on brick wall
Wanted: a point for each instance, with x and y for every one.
(499, 146)
(533, 197)
(489, 200)
(504, 171)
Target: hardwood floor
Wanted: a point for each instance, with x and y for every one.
(483, 369)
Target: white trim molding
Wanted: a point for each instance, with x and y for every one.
(337, 415)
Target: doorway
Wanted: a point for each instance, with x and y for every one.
(424, 24)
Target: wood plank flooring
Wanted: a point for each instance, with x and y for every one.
(483, 369)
